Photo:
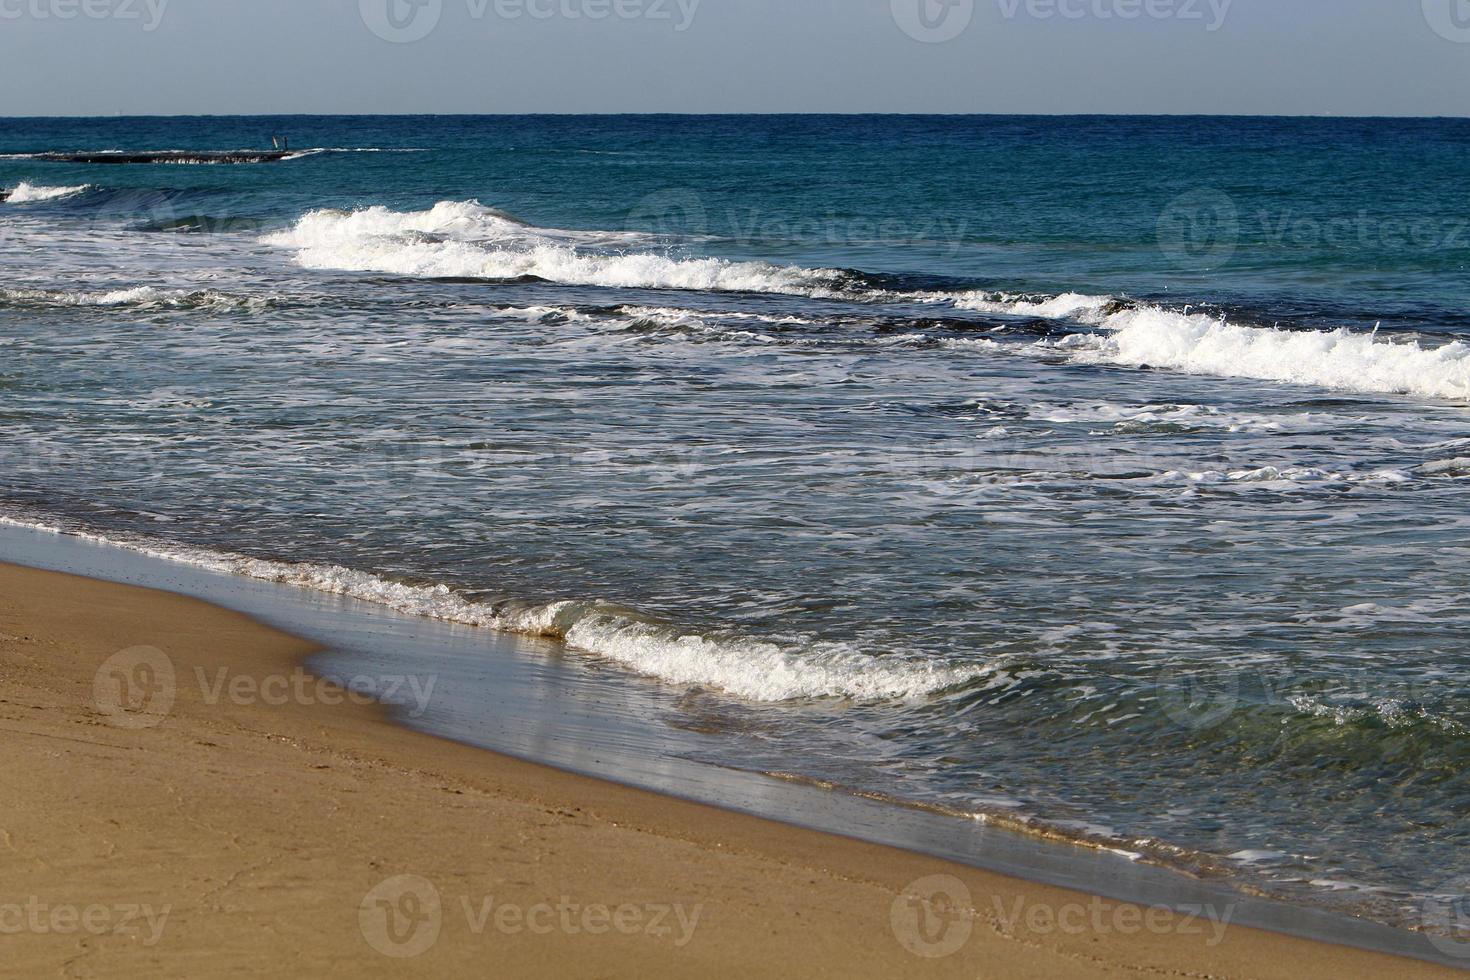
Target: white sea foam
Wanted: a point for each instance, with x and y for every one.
(466, 239)
(1137, 418)
(24, 193)
(1341, 359)
(1197, 343)
(755, 669)
(676, 313)
(134, 296)
(1458, 468)
(1067, 306)
(1284, 475)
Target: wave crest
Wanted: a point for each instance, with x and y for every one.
(464, 239)
(25, 193)
(746, 667)
(1341, 359)
(145, 297)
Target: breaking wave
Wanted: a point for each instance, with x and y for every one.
(746, 667)
(24, 193)
(469, 240)
(1342, 359)
(136, 297)
(1141, 335)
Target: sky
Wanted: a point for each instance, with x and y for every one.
(1252, 57)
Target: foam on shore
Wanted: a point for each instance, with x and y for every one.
(747, 667)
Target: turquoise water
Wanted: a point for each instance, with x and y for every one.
(1101, 475)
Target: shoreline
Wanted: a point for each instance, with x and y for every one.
(640, 732)
(246, 812)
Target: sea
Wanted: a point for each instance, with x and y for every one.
(1102, 478)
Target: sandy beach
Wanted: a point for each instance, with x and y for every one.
(239, 816)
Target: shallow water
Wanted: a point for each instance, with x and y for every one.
(1106, 475)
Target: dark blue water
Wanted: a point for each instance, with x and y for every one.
(1103, 476)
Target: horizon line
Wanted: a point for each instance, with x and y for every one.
(570, 114)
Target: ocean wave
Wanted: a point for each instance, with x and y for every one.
(1067, 306)
(746, 667)
(1457, 468)
(1284, 476)
(1132, 334)
(467, 240)
(374, 149)
(134, 296)
(1346, 360)
(1392, 713)
(312, 151)
(1167, 417)
(24, 193)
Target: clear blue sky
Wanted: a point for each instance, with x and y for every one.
(1309, 57)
